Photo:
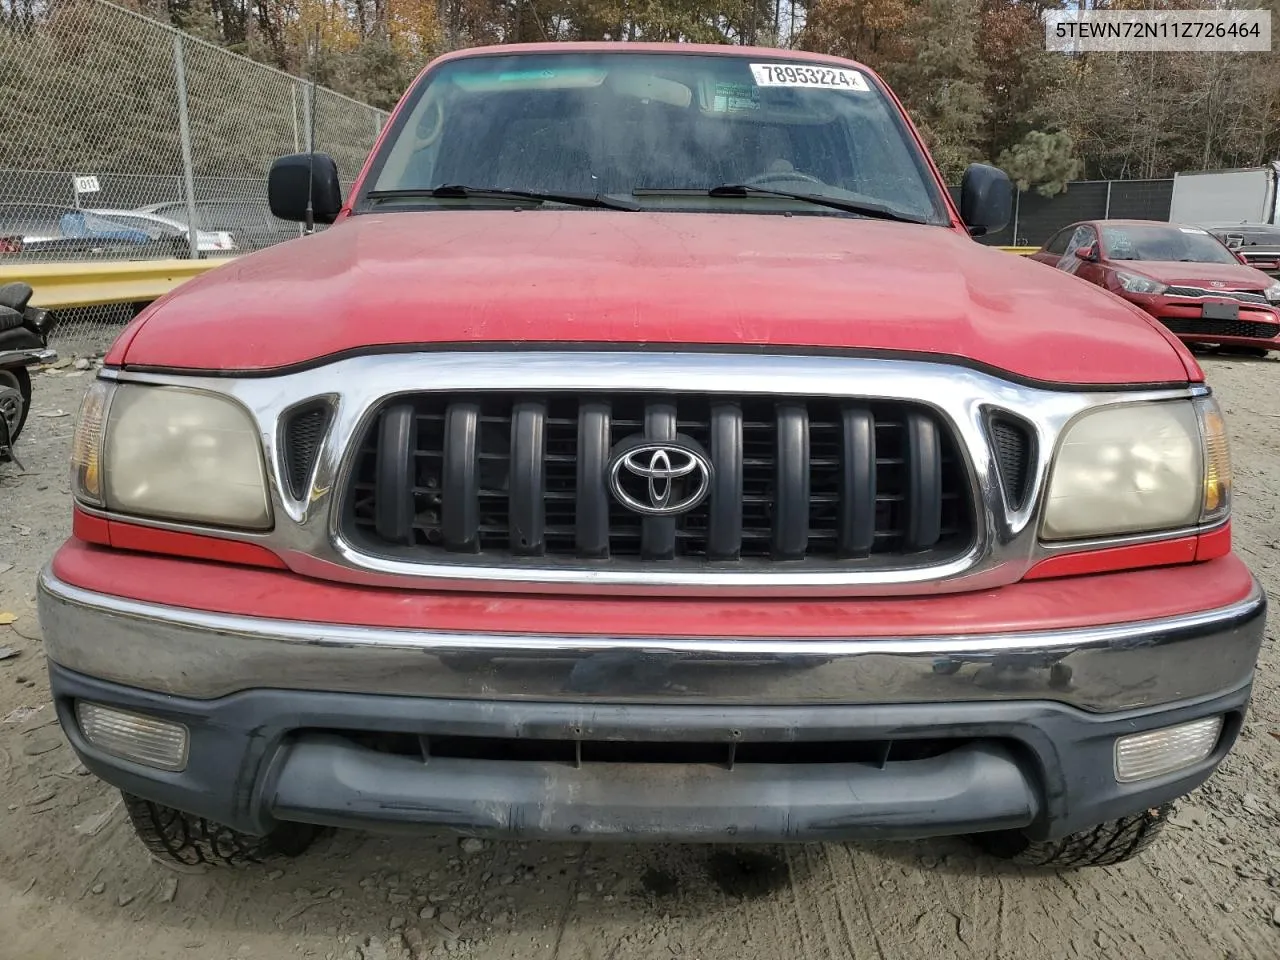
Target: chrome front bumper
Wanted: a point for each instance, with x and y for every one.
(204, 655)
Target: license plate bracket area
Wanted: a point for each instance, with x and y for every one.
(1220, 311)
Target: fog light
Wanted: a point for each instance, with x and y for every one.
(146, 740)
(1141, 756)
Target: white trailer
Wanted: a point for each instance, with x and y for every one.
(1246, 195)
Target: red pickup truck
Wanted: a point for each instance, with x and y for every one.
(648, 451)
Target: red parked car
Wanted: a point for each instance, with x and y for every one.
(1183, 276)
(649, 451)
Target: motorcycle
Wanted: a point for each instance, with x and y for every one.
(24, 339)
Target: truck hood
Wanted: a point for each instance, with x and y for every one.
(463, 277)
(1233, 276)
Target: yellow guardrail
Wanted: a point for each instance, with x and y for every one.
(61, 285)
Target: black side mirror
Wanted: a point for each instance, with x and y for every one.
(986, 199)
(301, 176)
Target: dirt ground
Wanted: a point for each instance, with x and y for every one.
(74, 883)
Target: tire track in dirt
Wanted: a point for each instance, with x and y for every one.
(831, 857)
(824, 899)
(797, 895)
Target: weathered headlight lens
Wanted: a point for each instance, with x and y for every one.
(1125, 469)
(182, 454)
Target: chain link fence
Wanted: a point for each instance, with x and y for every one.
(88, 331)
(123, 138)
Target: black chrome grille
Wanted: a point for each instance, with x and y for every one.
(441, 478)
(1221, 328)
(1200, 293)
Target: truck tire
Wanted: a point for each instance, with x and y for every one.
(1112, 842)
(187, 839)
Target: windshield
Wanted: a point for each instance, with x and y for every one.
(610, 124)
(1159, 242)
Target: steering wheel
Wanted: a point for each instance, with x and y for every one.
(781, 176)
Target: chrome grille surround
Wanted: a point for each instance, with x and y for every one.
(306, 532)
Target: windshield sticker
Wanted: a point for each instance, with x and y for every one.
(532, 79)
(791, 75)
(734, 98)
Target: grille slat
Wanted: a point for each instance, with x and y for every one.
(858, 482)
(924, 483)
(393, 486)
(525, 479)
(460, 508)
(592, 534)
(724, 530)
(791, 509)
(658, 534)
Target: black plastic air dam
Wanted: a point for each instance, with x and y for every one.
(255, 758)
(977, 787)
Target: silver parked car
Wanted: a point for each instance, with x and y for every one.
(250, 221)
(208, 242)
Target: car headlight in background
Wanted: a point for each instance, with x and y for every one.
(1137, 468)
(170, 453)
(1135, 283)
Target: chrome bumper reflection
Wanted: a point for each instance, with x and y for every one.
(199, 654)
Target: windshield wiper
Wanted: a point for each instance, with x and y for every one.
(873, 210)
(462, 192)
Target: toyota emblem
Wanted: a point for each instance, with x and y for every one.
(659, 478)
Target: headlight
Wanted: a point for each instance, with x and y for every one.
(1139, 467)
(1134, 283)
(172, 453)
(1272, 292)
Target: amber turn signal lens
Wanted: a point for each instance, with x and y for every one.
(1217, 461)
(86, 445)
